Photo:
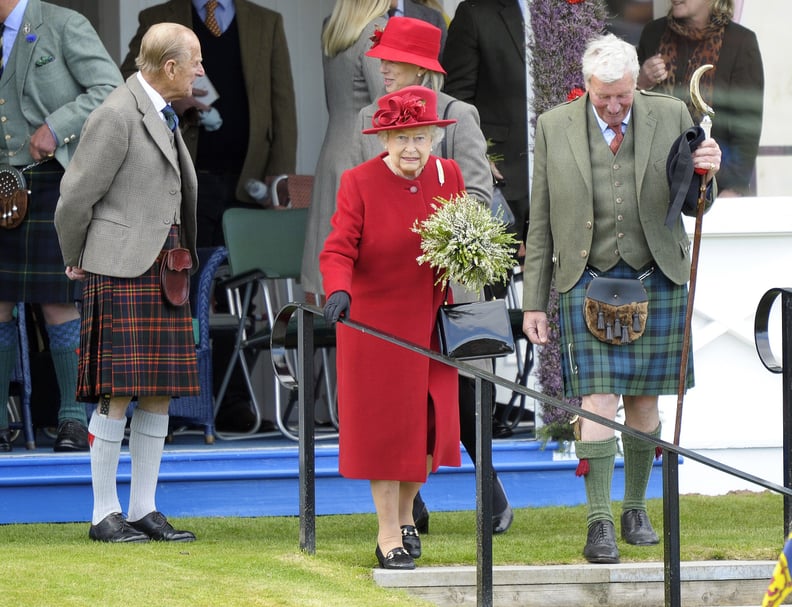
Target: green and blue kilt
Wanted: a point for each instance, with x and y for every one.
(647, 366)
(31, 264)
(132, 342)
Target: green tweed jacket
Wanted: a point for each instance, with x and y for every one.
(562, 196)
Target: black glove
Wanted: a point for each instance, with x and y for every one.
(337, 306)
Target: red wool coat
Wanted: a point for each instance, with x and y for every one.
(384, 390)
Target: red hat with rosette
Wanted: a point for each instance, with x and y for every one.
(406, 108)
(408, 40)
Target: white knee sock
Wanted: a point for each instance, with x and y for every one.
(146, 441)
(105, 439)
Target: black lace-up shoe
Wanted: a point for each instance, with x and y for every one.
(601, 543)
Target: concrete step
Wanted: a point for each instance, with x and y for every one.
(704, 584)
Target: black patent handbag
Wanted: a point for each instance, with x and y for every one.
(474, 330)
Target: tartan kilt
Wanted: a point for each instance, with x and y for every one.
(132, 342)
(31, 266)
(645, 367)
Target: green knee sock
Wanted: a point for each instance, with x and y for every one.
(64, 341)
(9, 346)
(638, 458)
(601, 456)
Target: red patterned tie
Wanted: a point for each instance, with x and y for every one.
(211, 20)
(619, 137)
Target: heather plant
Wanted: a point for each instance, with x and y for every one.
(560, 30)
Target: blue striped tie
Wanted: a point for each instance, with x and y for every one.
(170, 117)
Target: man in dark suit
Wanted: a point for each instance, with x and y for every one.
(485, 60)
(55, 70)
(247, 60)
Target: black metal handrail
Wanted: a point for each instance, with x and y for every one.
(285, 338)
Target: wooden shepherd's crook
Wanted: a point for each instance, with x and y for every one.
(706, 125)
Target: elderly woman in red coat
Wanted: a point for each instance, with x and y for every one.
(399, 416)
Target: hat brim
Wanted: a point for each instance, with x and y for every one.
(398, 55)
(404, 127)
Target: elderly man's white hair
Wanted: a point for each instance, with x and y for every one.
(609, 58)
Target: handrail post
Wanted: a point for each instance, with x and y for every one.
(483, 456)
(307, 418)
(672, 579)
(761, 338)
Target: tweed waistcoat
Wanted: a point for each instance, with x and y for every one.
(617, 227)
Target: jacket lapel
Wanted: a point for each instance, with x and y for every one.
(152, 121)
(513, 19)
(578, 141)
(644, 128)
(23, 50)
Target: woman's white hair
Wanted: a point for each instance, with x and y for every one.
(609, 58)
(435, 132)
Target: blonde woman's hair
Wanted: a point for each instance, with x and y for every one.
(347, 21)
(723, 9)
(433, 80)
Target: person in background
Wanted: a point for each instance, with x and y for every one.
(626, 18)
(484, 59)
(54, 71)
(127, 199)
(421, 9)
(700, 32)
(408, 50)
(352, 81)
(250, 131)
(599, 203)
(392, 432)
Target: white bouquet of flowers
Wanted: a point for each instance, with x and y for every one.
(466, 243)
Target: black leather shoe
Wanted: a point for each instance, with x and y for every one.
(601, 543)
(115, 528)
(420, 515)
(502, 521)
(5, 440)
(157, 527)
(411, 540)
(398, 558)
(636, 528)
(72, 436)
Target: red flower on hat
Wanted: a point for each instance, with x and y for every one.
(376, 38)
(406, 110)
(575, 93)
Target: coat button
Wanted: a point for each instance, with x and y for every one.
(413, 189)
(584, 254)
(589, 225)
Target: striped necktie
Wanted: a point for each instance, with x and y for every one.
(617, 139)
(171, 119)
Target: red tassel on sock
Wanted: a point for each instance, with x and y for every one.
(582, 468)
(658, 452)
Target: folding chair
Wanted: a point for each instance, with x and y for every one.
(265, 251)
(199, 409)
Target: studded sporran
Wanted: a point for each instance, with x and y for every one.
(616, 309)
(13, 197)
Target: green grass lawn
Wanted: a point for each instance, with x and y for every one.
(242, 562)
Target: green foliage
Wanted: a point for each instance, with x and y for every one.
(466, 244)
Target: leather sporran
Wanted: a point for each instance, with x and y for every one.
(13, 197)
(616, 309)
(474, 330)
(175, 276)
